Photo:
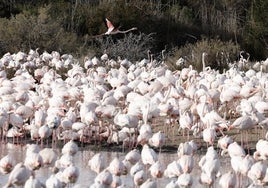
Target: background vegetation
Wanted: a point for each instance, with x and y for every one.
(180, 27)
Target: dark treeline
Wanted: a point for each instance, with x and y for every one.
(67, 25)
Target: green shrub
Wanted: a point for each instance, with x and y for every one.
(28, 31)
(219, 54)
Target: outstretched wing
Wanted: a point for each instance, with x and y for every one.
(110, 26)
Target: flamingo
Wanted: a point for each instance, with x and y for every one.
(210, 171)
(70, 174)
(32, 148)
(228, 180)
(186, 148)
(157, 170)
(70, 148)
(224, 142)
(261, 152)
(133, 156)
(139, 177)
(187, 163)
(139, 166)
(18, 176)
(33, 182)
(64, 161)
(117, 182)
(234, 150)
(148, 155)
(114, 30)
(54, 182)
(145, 133)
(44, 133)
(6, 164)
(157, 140)
(96, 163)
(149, 183)
(243, 123)
(185, 180)
(246, 164)
(48, 155)
(173, 170)
(257, 172)
(209, 135)
(104, 177)
(211, 155)
(33, 161)
(116, 167)
(186, 122)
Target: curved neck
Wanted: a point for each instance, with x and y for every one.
(203, 61)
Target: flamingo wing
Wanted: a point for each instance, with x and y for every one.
(110, 26)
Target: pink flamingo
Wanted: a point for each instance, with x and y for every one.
(114, 30)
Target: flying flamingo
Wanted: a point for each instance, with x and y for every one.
(112, 30)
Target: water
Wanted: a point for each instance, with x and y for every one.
(87, 176)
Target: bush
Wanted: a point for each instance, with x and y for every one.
(28, 31)
(220, 54)
(130, 46)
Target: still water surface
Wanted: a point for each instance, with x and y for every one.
(87, 176)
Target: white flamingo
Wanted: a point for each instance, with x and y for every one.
(7, 164)
(70, 174)
(185, 180)
(54, 182)
(116, 167)
(139, 177)
(49, 156)
(104, 177)
(157, 140)
(187, 163)
(150, 183)
(148, 155)
(96, 163)
(33, 183)
(228, 180)
(157, 170)
(133, 156)
(19, 175)
(70, 148)
(33, 161)
(173, 170)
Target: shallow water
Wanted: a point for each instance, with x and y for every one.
(87, 176)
